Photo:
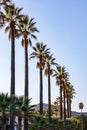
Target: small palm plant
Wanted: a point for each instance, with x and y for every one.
(4, 109)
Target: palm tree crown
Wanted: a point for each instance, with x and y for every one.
(81, 105)
(40, 53)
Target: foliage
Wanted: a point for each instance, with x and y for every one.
(20, 108)
(75, 123)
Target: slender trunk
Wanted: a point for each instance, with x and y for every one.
(64, 109)
(64, 105)
(49, 100)
(26, 80)
(12, 92)
(19, 123)
(26, 124)
(26, 69)
(41, 92)
(68, 109)
(61, 111)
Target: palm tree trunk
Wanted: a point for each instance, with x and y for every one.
(64, 109)
(25, 124)
(68, 106)
(12, 92)
(49, 100)
(26, 69)
(61, 113)
(64, 106)
(41, 92)
(19, 123)
(26, 80)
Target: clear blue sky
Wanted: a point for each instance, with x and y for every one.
(63, 27)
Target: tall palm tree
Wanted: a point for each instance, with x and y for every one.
(11, 17)
(26, 30)
(48, 72)
(58, 74)
(70, 92)
(56, 105)
(40, 53)
(68, 95)
(65, 80)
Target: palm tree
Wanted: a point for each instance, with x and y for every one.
(70, 91)
(26, 30)
(65, 80)
(40, 53)
(10, 18)
(56, 104)
(58, 74)
(48, 72)
(81, 105)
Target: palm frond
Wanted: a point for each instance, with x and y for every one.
(30, 42)
(33, 36)
(22, 42)
(31, 20)
(34, 48)
(31, 25)
(7, 28)
(10, 35)
(18, 10)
